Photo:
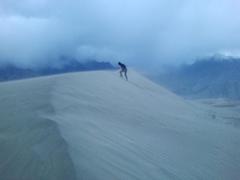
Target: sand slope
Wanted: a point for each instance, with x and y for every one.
(94, 125)
(31, 147)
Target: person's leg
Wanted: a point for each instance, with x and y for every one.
(121, 73)
(125, 73)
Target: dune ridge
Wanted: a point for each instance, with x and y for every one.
(138, 130)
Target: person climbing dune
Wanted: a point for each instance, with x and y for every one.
(123, 70)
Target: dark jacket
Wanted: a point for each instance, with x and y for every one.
(123, 67)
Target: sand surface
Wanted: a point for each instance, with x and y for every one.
(97, 126)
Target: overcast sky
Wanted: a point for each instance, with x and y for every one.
(141, 33)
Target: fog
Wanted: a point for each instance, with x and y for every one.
(144, 34)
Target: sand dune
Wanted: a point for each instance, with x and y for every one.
(95, 125)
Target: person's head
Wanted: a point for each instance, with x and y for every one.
(119, 63)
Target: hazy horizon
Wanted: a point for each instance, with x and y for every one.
(143, 34)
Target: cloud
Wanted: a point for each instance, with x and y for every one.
(144, 33)
(86, 52)
(32, 41)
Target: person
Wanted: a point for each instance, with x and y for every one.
(123, 70)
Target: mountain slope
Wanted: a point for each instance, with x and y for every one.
(216, 77)
(96, 125)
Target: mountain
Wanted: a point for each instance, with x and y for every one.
(64, 65)
(95, 125)
(214, 77)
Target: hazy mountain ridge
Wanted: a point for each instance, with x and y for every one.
(13, 72)
(212, 77)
